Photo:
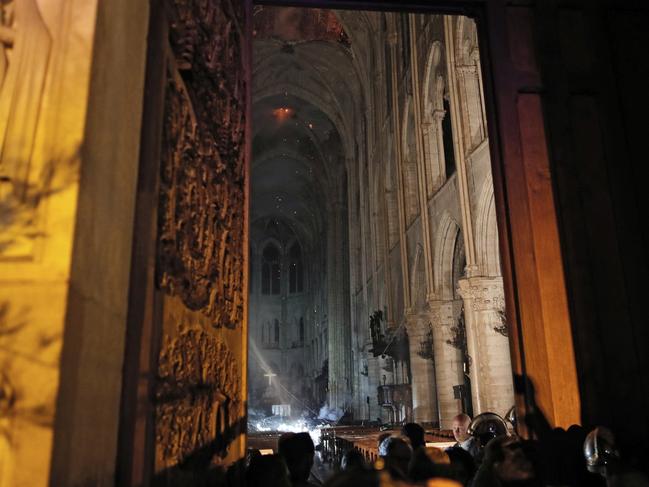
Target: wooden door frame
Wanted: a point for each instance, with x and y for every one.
(536, 300)
(136, 435)
(135, 462)
(540, 332)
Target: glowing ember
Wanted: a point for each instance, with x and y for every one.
(283, 113)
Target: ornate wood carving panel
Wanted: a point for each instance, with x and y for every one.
(201, 243)
(198, 396)
(201, 218)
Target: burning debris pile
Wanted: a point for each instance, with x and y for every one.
(259, 422)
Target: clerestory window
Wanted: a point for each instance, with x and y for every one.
(271, 270)
(295, 269)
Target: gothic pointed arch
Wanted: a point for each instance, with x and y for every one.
(459, 265)
(448, 231)
(467, 58)
(271, 273)
(418, 290)
(486, 231)
(434, 115)
(434, 69)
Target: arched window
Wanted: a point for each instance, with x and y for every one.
(270, 271)
(295, 269)
(447, 134)
(276, 330)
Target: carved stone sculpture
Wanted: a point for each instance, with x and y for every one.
(201, 220)
(198, 396)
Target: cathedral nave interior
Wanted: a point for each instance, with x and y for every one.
(372, 187)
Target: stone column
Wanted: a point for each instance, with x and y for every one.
(438, 118)
(475, 57)
(421, 157)
(491, 370)
(338, 315)
(430, 157)
(469, 82)
(448, 359)
(459, 149)
(422, 370)
(373, 380)
(396, 132)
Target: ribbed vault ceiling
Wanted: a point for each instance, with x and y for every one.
(307, 114)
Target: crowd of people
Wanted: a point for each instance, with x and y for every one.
(487, 453)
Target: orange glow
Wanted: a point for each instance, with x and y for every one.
(283, 113)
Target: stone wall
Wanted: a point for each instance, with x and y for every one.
(67, 192)
(444, 223)
(295, 362)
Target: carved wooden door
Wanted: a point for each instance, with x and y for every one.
(184, 398)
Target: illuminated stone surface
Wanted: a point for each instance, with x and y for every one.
(416, 198)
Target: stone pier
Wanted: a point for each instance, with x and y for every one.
(488, 345)
(448, 359)
(422, 370)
